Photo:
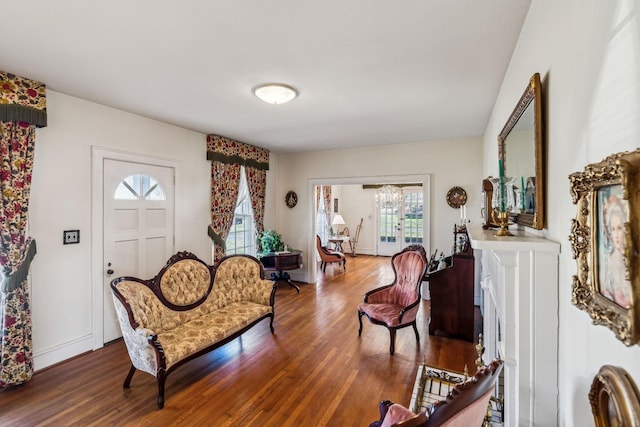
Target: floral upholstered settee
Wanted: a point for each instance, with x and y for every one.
(189, 309)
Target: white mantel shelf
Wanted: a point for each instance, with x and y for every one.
(519, 281)
(520, 241)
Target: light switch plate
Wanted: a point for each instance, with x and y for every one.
(70, 237)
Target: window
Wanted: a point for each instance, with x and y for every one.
(139, 187)
(242, 236)
(413, 216)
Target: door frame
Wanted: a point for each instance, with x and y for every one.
(425, 179)
(98, 155)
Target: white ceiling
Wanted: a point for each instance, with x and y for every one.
(369, 72)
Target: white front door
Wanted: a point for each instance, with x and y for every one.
(138, 226)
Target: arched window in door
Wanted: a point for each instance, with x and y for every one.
(139, 187)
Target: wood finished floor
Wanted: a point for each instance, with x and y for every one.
(314, 371)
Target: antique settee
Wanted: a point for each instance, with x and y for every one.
(189, 309)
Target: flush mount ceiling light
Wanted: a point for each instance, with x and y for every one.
(275, 93)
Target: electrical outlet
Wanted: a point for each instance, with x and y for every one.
(70, 237)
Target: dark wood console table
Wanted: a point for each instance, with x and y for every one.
(279, 262)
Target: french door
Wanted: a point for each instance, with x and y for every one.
(400, 222)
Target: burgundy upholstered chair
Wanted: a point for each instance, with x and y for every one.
(465, 406)
(396, 305)
(328, 256)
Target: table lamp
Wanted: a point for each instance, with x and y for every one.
(337, 222)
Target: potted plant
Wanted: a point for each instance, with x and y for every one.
(271, 241)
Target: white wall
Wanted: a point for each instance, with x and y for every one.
(447, 163)
(587, 53)
(356, 203)
(62, 276)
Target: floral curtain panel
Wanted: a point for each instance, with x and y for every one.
(318, 191)
(227, 157)
(22, 109)
(225, 182)
(257, 182)
(326, 191)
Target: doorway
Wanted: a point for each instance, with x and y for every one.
(400, 221)
(367, 244)
(133, 227)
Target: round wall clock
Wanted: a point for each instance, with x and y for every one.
(291, 199)
(456, 197)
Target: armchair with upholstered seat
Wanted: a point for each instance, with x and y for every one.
(328, 256)
(395, 306)
(466, 405)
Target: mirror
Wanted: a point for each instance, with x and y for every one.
(520, 147)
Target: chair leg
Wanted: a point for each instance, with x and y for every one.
(344, 264)
(360, 320)
(392, 333)
(415, 329)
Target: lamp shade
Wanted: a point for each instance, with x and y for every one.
(338, 220)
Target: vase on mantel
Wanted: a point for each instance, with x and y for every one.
(502, 202)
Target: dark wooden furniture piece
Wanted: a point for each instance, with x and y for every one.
(465, 406)
(451, 292)
(337, 244)
(278, 263)
(395, 306)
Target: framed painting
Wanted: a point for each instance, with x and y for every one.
(605, 243)
(614, 398)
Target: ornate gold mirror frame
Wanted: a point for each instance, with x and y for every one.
(614, 398)
(521, 149)
(605, 238)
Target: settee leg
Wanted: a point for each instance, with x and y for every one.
(415, 329)
(127, 381)
(392, 333)
(360, 321)
(162, 376)
(271, 324)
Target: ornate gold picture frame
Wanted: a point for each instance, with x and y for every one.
(605, 243)
(614, 398)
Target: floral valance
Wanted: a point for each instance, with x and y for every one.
(22, 100)
(227, 150)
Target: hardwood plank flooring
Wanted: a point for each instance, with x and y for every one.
(314, 371)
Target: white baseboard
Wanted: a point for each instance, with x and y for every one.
(59, 353)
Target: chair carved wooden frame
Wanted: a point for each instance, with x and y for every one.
(396, 305)
(466, 405)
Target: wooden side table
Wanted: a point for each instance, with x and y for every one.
(337, 243)
(279, 262)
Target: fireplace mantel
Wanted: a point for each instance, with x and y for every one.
(519, 280)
